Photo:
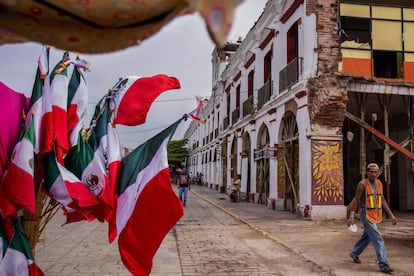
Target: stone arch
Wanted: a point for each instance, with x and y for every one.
(233, 158)
(246, 156)
(288, 161)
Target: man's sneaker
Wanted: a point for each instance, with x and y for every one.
(355, 258)
(386, 269)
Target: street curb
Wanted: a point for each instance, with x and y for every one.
(265, 233)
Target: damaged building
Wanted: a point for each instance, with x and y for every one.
(315, 91)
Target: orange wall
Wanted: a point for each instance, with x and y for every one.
(408, 71)
(357, 67)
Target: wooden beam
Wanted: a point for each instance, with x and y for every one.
(379, 134)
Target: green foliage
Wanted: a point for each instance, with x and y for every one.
(177, 152)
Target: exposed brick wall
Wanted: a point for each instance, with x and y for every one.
(327, 92)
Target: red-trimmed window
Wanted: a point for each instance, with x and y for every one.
(250, 81)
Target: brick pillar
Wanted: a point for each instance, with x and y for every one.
(327, 92)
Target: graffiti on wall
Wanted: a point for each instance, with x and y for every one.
(327, 174)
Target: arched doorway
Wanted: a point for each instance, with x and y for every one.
(245, 166)
(224, 164)
(262, 167)
(233, 160)
(288, 162)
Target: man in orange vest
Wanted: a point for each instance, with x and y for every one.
(369, 196)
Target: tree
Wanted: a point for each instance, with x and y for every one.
(177, 152)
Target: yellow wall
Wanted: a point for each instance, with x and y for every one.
(354, 10)
(387, 35)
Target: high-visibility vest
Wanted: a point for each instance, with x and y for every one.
(373, 202)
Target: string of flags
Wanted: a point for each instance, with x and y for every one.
(194, 114)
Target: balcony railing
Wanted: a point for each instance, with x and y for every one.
(264, 93)
(235, 116)
(216, 132)
(290, 74)
(248, 107)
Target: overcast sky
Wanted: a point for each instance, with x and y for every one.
(181, 49)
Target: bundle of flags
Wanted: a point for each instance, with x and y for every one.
(81, 167)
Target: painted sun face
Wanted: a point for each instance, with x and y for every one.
(326, 171)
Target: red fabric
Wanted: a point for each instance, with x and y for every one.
(46, 132)
(17, 191)
(60, 132)
(156, 211)
(136, 102)
(73, 117)
(34, 270)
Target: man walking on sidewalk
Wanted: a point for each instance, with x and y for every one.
(369, 196)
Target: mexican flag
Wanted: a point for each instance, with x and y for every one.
(60, 184)
(77, 101)
(147, 206)
(102, 159)
(17, 189)
(133, 97)
(16, 257)
(41, 106)
(59, 92)
(83, 165)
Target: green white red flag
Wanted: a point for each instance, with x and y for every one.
(59, 91)
(40, 105)
(16, 257)
(105, 159)
(147, 207)
(63, 186)
(133, 97)
(77, 101)
(17, 189)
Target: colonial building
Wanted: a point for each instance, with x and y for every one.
(315, 91)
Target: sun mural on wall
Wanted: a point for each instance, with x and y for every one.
(327, 175)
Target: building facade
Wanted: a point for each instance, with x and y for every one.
(315, 91)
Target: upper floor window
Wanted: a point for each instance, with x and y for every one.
(267, 67)
(377, 41)
(250, 81)
(238, 96)
(292, 43)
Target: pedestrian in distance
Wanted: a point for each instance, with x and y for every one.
(235, 189)
(183, 183)
(199, 179)
(369, 196)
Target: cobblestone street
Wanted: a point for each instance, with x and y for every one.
(217, 237)
(210, 242)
